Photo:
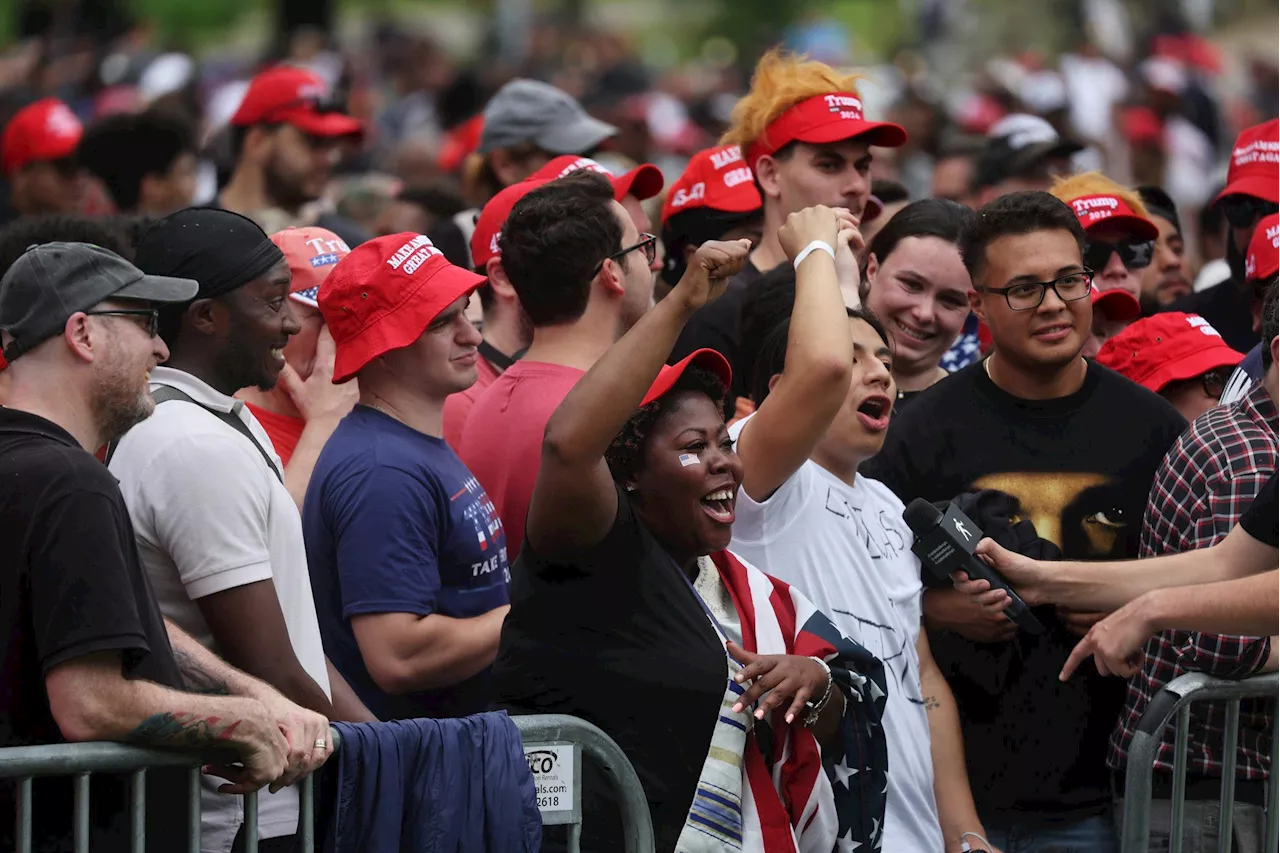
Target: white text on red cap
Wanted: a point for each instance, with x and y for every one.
(321, 246)
(584, 164)
(413, 255)
(727, 157)
(849, 107)
(1096, 208)
(1195, 321)
(1258, 151)
(61, 122)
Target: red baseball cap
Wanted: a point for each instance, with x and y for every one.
(1093, 210)
(1263, 258)
(312, 254)
(644, 181)
(1167, 347)
(1117, 305)
(40, 132)
(707, 359)
(824, 118)
(492, 218)
(288, 95)
(715, 179)
(1255, 163)
(384, 294)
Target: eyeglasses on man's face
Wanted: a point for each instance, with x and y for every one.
(648, 244)
(1027, 296)
(152, 324)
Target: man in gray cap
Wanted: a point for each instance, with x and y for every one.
(90, 657)
(527, 124)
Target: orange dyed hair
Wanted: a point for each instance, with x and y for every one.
(781, 80)
(1095, 183)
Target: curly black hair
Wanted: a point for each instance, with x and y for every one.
(626, 454)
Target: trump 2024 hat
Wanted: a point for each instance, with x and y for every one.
(312, 254)
(383, 295)
(50, 282)
(832, 117)
(1094, 210)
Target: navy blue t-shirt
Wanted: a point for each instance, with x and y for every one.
(395, 523)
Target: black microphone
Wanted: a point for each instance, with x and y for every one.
(945, 543)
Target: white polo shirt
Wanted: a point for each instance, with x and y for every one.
(210, 516)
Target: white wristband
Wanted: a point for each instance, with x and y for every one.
(815, 246)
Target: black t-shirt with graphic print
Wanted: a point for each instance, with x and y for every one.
(1080, 467)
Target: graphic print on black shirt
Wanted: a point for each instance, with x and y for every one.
(1080, 468)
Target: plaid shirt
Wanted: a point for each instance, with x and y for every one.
(1206, 482)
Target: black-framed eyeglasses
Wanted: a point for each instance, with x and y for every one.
(1242, 211)
(1027, 296)
(152, 315)
(1134, 254)
(648, 243)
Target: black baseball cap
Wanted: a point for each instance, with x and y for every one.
(52, 281)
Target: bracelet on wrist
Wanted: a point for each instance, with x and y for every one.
(815, 246)
(815, 709)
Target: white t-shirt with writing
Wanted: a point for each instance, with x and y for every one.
(209, 516)
(848, 549)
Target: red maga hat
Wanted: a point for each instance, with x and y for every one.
(644, 181)
(715, 179)
(1255, 163)
(492, 219)
(707, 359)
(1167, 347)
(288, 95)
(1262, 261)
(40, 132)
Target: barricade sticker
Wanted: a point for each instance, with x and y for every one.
(552, 769)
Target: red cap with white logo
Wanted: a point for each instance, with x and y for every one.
(40, 132)
(1094, 210)
(1262, 261)
(1255, 163)
(1167, 347)
(644, 181)
(832, 117)
(716, 179)
(312, 254)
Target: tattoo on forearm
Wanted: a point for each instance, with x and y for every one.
(931, 703)
(183, 728)
(197, 678)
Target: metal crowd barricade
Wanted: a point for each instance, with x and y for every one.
(549, 733)
(1176, 699)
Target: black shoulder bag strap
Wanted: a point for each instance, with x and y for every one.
(164, 394)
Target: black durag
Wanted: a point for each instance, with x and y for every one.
(220, 249)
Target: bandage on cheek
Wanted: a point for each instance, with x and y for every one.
(687, 459)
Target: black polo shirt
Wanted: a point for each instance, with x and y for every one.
(71, 585)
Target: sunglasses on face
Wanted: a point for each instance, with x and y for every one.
(153, 317)
(1134, 254)
(1215, 381)
(1243, 211)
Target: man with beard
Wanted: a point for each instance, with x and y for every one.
(218, 533)
(37, 156)
(1165, 280)
(1252, 192)
(89, 656)
(1075, 448)
(285, 141)
(805, 139)
(582, 272)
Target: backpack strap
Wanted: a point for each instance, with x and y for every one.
(165, 393)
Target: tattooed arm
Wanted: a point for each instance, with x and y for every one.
(91, 699)
(303, 729)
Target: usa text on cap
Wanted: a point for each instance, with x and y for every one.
(821, 119)
(717, 179)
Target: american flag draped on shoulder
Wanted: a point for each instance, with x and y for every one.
(767, 786)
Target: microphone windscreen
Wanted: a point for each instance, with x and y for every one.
(920, 516)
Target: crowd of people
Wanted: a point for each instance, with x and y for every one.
(267, 466)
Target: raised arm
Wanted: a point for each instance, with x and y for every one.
(574, 502)
(819, 360)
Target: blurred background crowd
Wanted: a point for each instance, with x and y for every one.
(1153, 91)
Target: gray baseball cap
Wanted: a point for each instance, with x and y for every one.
(52, 281)
(537, 112)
